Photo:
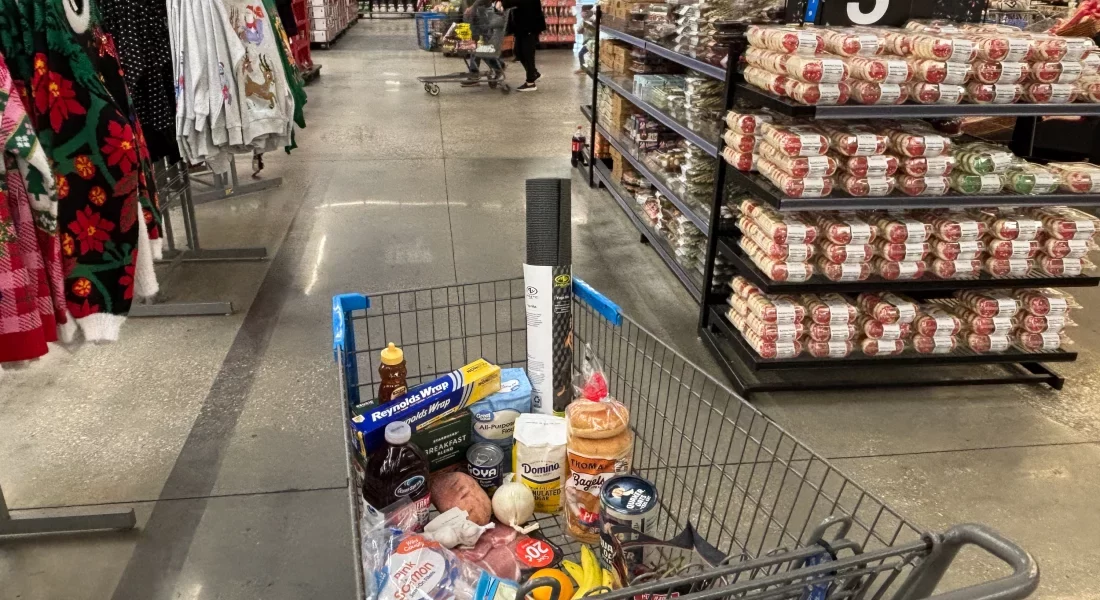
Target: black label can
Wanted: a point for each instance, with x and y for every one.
(485, 463)
(631, 501)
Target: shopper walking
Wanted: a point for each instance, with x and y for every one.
(527, 23)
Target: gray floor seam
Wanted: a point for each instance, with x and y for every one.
(185, 498)
(958, 450)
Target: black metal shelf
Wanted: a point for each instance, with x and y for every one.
(764, 190)
(655, 241)
(819, 284)
(640, 166)
(786, 106)
(907, 358)
(694, 64)
(707, 146)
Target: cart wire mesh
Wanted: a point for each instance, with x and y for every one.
(746, 485)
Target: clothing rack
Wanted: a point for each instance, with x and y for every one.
(117, 519)
(175, 184)
(220, 187)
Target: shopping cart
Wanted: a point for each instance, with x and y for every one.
(483, 45)
(791, 525)
(431, 27)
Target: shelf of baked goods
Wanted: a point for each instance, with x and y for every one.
(691, 283)
(629, 151)
(694, 64)
(620, 85)
(933, 351)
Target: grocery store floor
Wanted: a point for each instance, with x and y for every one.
(224, 432)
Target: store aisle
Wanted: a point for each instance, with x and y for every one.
(225, 433)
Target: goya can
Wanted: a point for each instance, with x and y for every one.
(626, 500)
(485, 463)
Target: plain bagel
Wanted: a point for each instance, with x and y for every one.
(597, 420)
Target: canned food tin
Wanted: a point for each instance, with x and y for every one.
(626, 500)
(485, 463)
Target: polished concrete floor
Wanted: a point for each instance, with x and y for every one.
(223, 432)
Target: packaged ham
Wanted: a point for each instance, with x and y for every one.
(769, 350)
(888, 307)
(829, 349)
(845, 228)
(764, 79)
(819, 68)
(776, 270)
(742, 161)
(846, 253)
(877, 330)
(935, 93)
(1034, 342)
(741, 142)
(992, 46)
(996, 325)
(981, 158)
(910, 139)
(1042, 323)
(855, 139)
(988, 303)
(1008, 267)
(1065, 248)
(1077, 178)
(956, 269)
(879, 165)
(843, 271)
(894, 270)
(987, 343)
(799, 166)
(1050, 93)
(865, 92)
(1044, 301)
(958, 227)
(774, 251)
(968, 183)
(853, 42)
(937, 72)
(879, 69)
(872, 347)
(1030, 179)
(746, 122)
(993, 93)
(1064, 223)
(999, 72)
(830, 309)
(795, 187)
(1088, 88)
(1056, 72)
(1063, 267)
(968, 250)
(796, 140)
(816, 94)
(1011, 226)
(781, 229)
(935, 321)
(773, 332)
(790, 40)
(866, 186)
(1005, 249)
(922, 185)
(900, 228)
(933, 345)
(901, 251)
(919, 166)
(941, 47)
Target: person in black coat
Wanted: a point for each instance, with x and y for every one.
(526, 25)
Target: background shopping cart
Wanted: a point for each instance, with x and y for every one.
(431, 27)
(482, 45)
(792, 525)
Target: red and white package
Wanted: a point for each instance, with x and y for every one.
(933, 345)
(901, 251)
(1050, 93)
(937, 72)
(741, 142)
(799, 166)
(746, 121)
(776, 270)
(795, 187)
(829, 349)
(1012, 226)
(967, 250)
(819, 68)
(879, 69)
(1065, 248)
(853, 42)
(936, 93)
(846, 253)
(866, 186)
(1062, 267)
(934, 321)
(894, 270)
(939, 47)
(1044, 301)
(1078, 177)
(1042, 323)
(825, 332)
(830, 309)
(919, 166)
(879, 165)
(792, 40)
(816, 94)
(888, 307)
(743, 288)
(742, 161)
(1000, 72)
(956, 269)
(922, 185)
(774, 332)
(988, 303)
(855, 139)
(781, 229)
(774, 251)
(1056, 72)
(764, 79)
(1047, 48)
(1006, 249)
(1034, 342)
(796, 140)
(997, 325)
(1090, 65)
(987, 343)
(872, 347)
(1088, 88)
(956, 227)
(900, 228)
(1079, 48)
(877, 330)
(769, 350)
(999, 47)
(993, 93)
(912, 140)
(1008, 267)
(846, 228)
(843, 271)
(780, 309)
(865, 92)
(1064, 223)
(897, 42)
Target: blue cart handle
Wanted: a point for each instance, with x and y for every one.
(600, 303)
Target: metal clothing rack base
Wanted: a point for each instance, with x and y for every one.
(225, 186)
(111, 519)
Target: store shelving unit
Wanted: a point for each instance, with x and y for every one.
(740, 362)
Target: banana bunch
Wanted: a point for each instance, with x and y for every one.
(592, 580)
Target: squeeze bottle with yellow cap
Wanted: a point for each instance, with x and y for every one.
(392, 373)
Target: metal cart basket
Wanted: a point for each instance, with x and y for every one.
(791, 524)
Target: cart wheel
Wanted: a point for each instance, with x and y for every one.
(505, 88)
(433, 89)
(492, 85)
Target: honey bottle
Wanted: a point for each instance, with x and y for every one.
(392, 373)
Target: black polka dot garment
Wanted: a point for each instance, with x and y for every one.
(140, 30)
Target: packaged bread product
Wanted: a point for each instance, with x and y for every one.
(774, 251)
(1063, 71)
(934, 321)
(981, 158)
(922, 185)
(850, 41)
(764, 79)
(940, 47)
(774, 269)
(842, 253)
(852, 139)
(879, 165)
(836, 332)
(993, 93)
(843, 271)
(872, 347)
(828, 309)
(830, 348)
(879, 69)
(745, 121)
(599, 446)
(846, 228)
(934, 345)
(937, 72)
(1062, 267)
(796, 140)
(908, 139)
(779, 309)
(1065, 223)
(1029, 178)
(919, 166)
(999, 72)
(1079, 48)
(1047, 48)
(1090, 65)
(742, 161)
(741, 142)
(895, 270)
(974, 323)
(935, 93)
(965, 250)
(968, 183)
(901, 251)
(897, 42)
(795, 187)
(888, 307)
(1005, 249)
(818, 68)
(877, 330)
(866, 92)
(780, 228)
(1000, 47)
(1050, 93)
(932, 26)
(956, 227)
(866, 186)
(774, 332)
(1056, 248)
(773, 350)
(799, 166)
(1044, 301)
(988, 303)
(956, 269)
(1008, 267)
(1035, 342)
(1088, 87)
(816, 94)
(1011, 226)
(791, 40)
(897, 228)
(743, 288)
(987, 343)
(1041, 323)
(1077, 177)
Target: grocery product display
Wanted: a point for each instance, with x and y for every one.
(328, 19)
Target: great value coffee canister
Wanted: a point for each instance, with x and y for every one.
(627, 500)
